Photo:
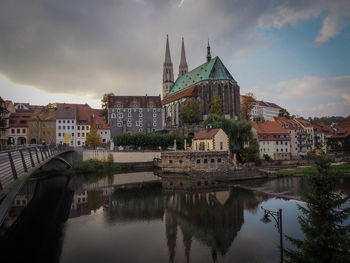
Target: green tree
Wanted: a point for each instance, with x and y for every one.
(327, 237)
(189, 112)
(104, 105)
(284, 113)
(216, 106)
(247, 105)
(239, 133)
(93, 139)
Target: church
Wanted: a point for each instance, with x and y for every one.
(203, 83)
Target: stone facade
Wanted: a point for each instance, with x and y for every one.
(195, 162)
(134, 114)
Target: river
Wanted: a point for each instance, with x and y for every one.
(134, 217)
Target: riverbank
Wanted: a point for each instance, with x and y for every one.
(342, 168)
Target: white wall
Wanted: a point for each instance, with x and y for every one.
(122, 157)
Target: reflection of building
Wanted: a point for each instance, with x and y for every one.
(213, 218)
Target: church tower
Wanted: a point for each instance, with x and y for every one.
(183, 68)
(168, 72)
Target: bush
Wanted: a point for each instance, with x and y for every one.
(267, 157)
(110, 159)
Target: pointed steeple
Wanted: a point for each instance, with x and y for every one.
(208, 52)
(167, 52)
(183, 68)
(168, 72)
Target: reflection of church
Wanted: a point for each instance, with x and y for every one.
(212, 218)
(203, 83)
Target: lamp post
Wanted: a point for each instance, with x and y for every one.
(277, 216)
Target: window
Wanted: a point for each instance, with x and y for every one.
(286, 143)
(276, 150)
(286, 150)
(170, 161)
(180, 161)
(219, 160)
(64, 121)
(78, 141)
(198, 161)
(59, 121)
(277, 143)
(154, 115)
(82, 128)
(59, 134)
(67, 121)
(23, 130)
(154, 124)
(12, 130)
(78, 134)
(221, 145)
(73, 134)
(43, 132)
(78, 128)
(72, 121)
(113, 116)
(205, 160)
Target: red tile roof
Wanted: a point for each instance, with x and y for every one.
(206, 134)
(267, 131)
(345, 123)
(286, 123)
(342, 133)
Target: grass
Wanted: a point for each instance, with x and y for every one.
(335, 169)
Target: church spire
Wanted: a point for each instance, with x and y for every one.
(183, 68)
(168, 72)
(208, 52)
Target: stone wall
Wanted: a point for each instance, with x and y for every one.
(122, 157)
(195, 162)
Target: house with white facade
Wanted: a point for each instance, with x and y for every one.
(66, 126)
(274, 140)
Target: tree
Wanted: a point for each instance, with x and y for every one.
(284, 113)
(189, 112)
(247, 105)
(104, 105)
(93, 139)
(327, 238)
(216, 106)
(51, 105)
(239, 134)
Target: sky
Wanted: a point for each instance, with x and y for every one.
(295, 53)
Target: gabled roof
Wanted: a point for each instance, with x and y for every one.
(206, 134)
(268, 127)
(212, 70)
(286, 123)
(342, 133)
(131, 101)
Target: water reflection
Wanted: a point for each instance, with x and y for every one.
(136, 217)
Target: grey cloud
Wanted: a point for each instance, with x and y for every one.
(101, 46)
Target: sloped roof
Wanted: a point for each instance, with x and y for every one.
(345, 123)
(342, 133)
(270, 127)
(286, 123)
(131, 101)
(212, 70)
(268, 104)
(206, 134)
(66, 113)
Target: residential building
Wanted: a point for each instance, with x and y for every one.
(102, 127)
(18, 130)
(134, 114)
(339, 142)
(210, 140)
(274, 140)
(309, 131)
(4, 124)
(66, 119)
(209, 80)
(84, 121)
(265, 110)
(297, 135)
(42, 126)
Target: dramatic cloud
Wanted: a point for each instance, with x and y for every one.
(92, 47)
(311, 96)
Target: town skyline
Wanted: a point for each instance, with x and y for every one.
(295, 55)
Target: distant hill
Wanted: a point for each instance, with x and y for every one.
(327, 120)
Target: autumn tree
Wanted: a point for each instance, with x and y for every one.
(93, 139)
(216, 106)
(247, 105)
(190, 112)
(51, 105)
(104, 105)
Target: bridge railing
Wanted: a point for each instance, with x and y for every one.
(17, 162)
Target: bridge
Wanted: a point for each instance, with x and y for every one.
(17, 165)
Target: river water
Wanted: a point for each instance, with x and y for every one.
(137, 217)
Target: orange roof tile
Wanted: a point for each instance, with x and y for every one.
(206, 134)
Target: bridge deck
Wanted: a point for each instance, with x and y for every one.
(15, 168)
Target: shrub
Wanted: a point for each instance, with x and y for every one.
(267, 157)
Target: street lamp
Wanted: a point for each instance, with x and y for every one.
(277, 216)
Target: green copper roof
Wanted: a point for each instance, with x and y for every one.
(212, 70)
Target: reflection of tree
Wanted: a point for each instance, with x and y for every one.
(94, 198)
(171, 235)
(212, 221)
